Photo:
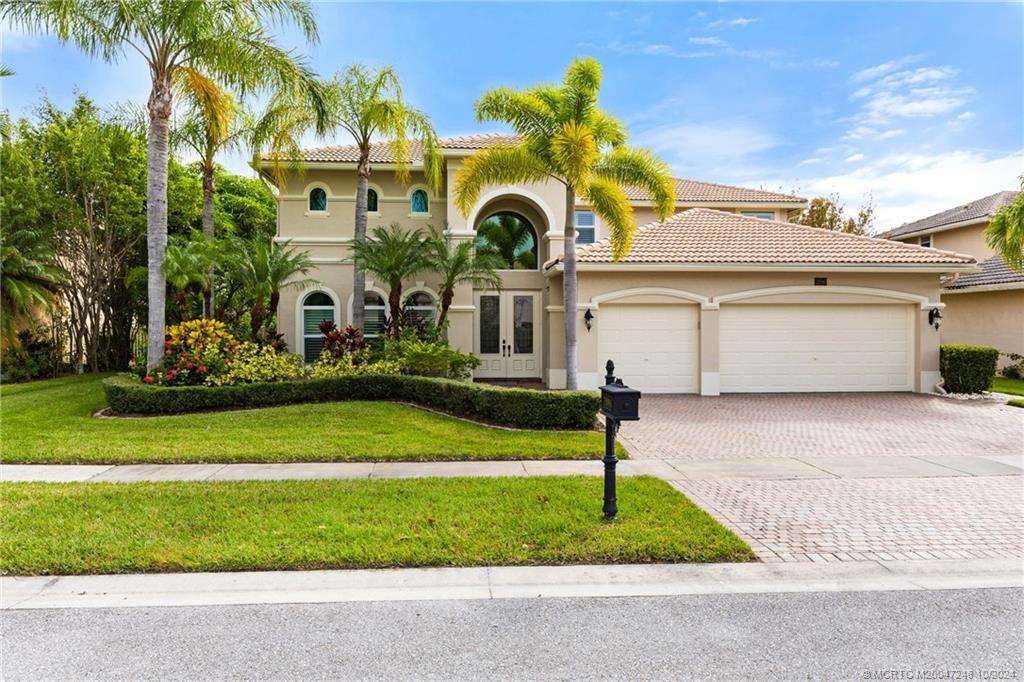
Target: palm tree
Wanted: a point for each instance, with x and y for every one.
(1005, 232)
(184, 42)
(510, 238)
(29, 281)
(6, 71)
(459, 264)
(206, 137)
(263, 269)
(565, 137)
(367, 104)
(188, 265)
(393, 254)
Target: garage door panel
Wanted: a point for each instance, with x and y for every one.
(654, 347)
(793, 348)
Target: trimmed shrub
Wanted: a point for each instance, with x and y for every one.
(516, 407)
(251, 363)
(968, 369)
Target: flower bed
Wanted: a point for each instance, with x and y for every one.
(516, 407)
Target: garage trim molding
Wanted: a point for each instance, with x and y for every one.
(596, 301)
(812, 289)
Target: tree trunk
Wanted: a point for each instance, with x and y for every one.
(395, 306)
(359, 276)
(447, 295)
(209, 190)
(275, 300)
(569, 287)
(156, 213)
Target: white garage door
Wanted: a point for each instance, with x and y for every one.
(654, 347)
(804, 348)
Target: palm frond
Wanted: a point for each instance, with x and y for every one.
(610, 202)
(527, 111)
(1005, 232)
(633, 167)
(502, 164)
(574, 151)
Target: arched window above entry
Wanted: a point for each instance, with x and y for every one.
(317, 307)
(512, 238)
(419, 202)
(371, 200)
(374, 314)
(422, 306)
(318, 200)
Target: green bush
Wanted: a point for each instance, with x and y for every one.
(1015, 368)
(35, 356)
(517, 407)
(251, 363)
(968, 369)
(349, 365)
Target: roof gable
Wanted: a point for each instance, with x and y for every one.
(706, 236)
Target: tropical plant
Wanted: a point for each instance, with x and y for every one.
(262, 268)
(394, 254)
(510, 238)
(187, 45)
(188, 266)
(459, 263)
(368, 105)
(341, 342)
(1005, 232)
(565, 137)
(29, 282)
(192, 352)
(6, 71)
(251, 363)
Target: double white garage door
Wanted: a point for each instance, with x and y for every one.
(762, 348)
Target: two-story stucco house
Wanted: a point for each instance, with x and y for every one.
(724, 296)
(984, 308)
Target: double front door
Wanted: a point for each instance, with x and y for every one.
(507, 334)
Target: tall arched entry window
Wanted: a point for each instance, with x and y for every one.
(422, 306)
(316, 308)
(371, 200)
(512, 237)
(374, 314)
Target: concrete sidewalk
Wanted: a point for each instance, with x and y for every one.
(198, 589)
(774, 468)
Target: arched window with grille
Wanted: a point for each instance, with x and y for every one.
(422, 306)
(420, 203)
(317, 307)
(318, 200)
(372, 201)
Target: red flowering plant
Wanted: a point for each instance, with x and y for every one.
(341, 342)
(193, 351)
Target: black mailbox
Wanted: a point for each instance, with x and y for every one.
(620, 402)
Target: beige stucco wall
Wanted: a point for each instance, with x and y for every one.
(969, 240)
(994, 318)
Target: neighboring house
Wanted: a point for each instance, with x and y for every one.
(726, 295)
(984, 308)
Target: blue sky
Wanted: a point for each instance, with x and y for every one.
(917, 105)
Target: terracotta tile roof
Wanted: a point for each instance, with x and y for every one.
(994, 270)
(701, 192)
(703, 235)
(690, 191)
(979, 208)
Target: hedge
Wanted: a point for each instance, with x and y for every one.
(968, 369)
(516, 407)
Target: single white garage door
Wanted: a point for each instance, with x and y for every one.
(654, 347)
(807, 348)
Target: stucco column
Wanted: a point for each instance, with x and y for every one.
(709, 377)
(928, 341)
(461, 316)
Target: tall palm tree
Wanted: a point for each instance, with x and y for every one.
(1005, 232)
(510, 238)
(394, 254)
(457, 264)
(29, 281)
(194, 44)
(368, 105)
(263, 269)
(565, 137)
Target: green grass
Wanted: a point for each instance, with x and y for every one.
(76, 528)
(1015, 403)
(52, 422)
(1011, 386)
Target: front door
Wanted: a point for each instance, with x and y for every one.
(507, 334)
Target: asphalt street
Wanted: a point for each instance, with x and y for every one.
(962, 634)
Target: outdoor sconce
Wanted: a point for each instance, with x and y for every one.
(588, 318)
(935, 318)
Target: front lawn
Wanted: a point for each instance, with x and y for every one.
(75, 528)
(1010, 386)
(52, 422)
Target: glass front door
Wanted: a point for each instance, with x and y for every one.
(507, 334)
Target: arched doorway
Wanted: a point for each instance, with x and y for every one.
(510, 236)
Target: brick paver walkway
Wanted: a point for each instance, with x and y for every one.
(860, 519)
(822, 424)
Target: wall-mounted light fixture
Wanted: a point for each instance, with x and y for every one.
(935, 318)
(588, 318)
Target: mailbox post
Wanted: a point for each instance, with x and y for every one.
(618, 403)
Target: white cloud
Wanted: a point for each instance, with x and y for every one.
(966, 116)
(873, 72)
(738, 21)
(854, 157)
(709, 40)
(712, 147)
(656, 50)
(910, 186)
(811, 161)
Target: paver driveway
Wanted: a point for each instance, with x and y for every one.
(841, 477)
(821, 424)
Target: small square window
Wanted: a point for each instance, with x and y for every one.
(586, 227)
(926, 241)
